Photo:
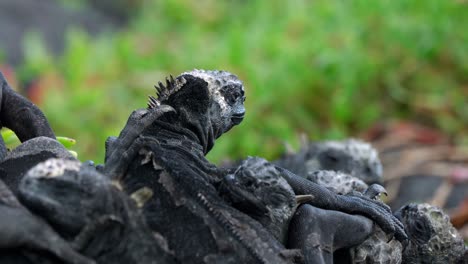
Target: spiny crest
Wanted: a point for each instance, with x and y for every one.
(163, 92)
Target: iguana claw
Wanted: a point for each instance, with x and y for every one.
(375, 191)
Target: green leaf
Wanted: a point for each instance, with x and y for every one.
(66, 142)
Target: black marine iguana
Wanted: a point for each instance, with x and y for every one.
(352, 156)
(90, 210)
(20, 115)
(27, 238)
(186, 208)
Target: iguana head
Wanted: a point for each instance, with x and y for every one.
(209, 103)
(355, 157)
(257, 189)
(67, 194)
(432, 238)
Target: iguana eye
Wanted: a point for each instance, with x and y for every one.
(233, 94)
(232, 98)
(331, 157)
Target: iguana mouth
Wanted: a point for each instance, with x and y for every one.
(237, 118)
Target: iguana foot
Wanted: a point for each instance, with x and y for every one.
(353, 203)
(375, 191)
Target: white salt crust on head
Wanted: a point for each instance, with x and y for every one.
(53, 168)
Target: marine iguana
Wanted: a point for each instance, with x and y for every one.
(352, 156)
(168, 158)
(92, 212)
(27, 238)
(432, 238)
(20, 115)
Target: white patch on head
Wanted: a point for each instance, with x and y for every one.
(53, 168)
(216, 80)
(358, 149)
(338, 181)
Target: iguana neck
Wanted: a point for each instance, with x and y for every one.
(172, 134)
(184, 145)
(198, 130)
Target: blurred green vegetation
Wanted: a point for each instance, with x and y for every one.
(329, 69)
(12, 141)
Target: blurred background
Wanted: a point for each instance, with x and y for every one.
(326, 69)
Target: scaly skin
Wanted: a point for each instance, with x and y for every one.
(170, 157)
(257, 189)
(351, 203)
(30, 236)
(138, 121)
(432, 238)
(170, 162)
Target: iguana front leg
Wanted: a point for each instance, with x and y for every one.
(120, 151)
(351, 204)
(318, 233)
